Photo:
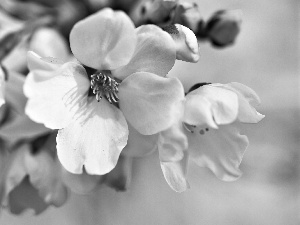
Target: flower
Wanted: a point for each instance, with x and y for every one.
(208, 133)
(223, 27)
(30, 181)
(129, 67)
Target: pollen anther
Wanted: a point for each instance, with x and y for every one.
(104, 86)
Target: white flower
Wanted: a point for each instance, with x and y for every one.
(208, 133)
(129, 65)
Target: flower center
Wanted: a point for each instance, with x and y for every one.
(104, 86)
(192, 129)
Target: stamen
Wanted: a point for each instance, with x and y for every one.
(188, 127)
(104, 86)
(195, 129)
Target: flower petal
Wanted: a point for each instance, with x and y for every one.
(155, 53)
(172, 142)
(94, 140)
(149, 102)
(55, 96)
(139, 145)
(198, 111)
(24, 197)
(186, 43)
(222, 103)
(175, 174)
(48, 42)
(36, 62)
(14, 94)
(105, 40)
(44, 175)
(248, 99)
(221, 150)
(21, 127)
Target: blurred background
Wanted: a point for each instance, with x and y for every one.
(265, 57)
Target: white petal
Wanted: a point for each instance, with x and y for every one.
(36, 62)
(186, 43)
(48, 42)
(172, 142)
(55, 96)
(150, 102)
(222, 103)
(155, 53)
(221, 150)
(95, 140)
(105, 40)
(175, 174)
(248, 100)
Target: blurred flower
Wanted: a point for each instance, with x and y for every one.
(65, 13)
(164, 13)
(17, 126)
(155, 12)
(47, 41)
(25, 9)
(223, 27)
(208, 132)
(129, 66)
(188, 15)
(30, 181)
(15, 43)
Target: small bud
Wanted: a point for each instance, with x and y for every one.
(26, 10)
(157, 12)
(187, 48)
(223, 27)
(187, 14)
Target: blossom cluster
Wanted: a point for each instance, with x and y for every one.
(76, 120)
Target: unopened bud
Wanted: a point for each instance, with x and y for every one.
(187, 48)
(157, 12)
(223, 27)
(187, 14)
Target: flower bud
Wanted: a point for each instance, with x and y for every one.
(187, 14)
(155, 12)
(187, 48)
(223, 27)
